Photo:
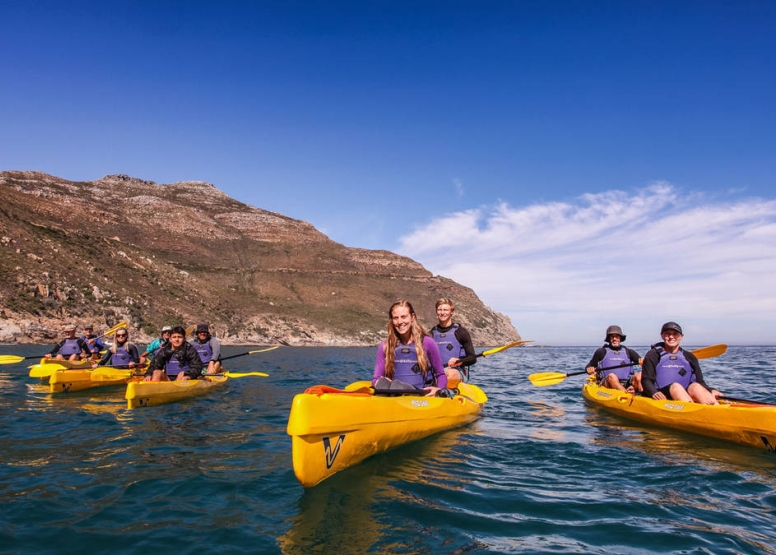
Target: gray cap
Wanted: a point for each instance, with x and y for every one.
(166, 328)
(616, 330)
(671, 326)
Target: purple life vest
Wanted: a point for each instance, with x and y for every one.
(205, 350)
(615, 358)
(406, 367)
(70, 347)
(449, 346)
(673, 368)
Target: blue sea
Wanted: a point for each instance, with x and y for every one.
(540, 472)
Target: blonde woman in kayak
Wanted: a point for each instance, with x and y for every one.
(670, 372)
(409, 358)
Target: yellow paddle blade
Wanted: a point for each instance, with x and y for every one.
(190, 329)
(112, 331)
(505, 347)
(263, 350)
(542, 379)
(10, 359)
(710, 351)
(45, 370)
(244, 374)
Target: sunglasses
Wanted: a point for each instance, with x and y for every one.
(121, 335)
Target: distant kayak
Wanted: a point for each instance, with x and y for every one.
(333, 429)
(148, 394)
(746, 423)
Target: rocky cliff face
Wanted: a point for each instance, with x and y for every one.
(122, 248)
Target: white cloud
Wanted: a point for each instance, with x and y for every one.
(565, 271)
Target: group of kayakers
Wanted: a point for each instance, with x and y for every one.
(667, 371)
(168, 357)
(412, 358)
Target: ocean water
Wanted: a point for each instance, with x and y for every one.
(540, 472)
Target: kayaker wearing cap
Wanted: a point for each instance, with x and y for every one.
(156, 344)
(175, 360)
(93, 342)
(121, 353)
(209, 349)
(409, 359)
(70, 348)
(625, 378)
(454, 342)
(670, 372)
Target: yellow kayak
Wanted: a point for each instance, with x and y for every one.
(69, 380)
(333, 429)
(747, 423)
(149, 394)
(47, 366)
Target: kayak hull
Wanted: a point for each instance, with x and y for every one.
(149, 394)
(68, 381)
(751, 424)
(332, 430)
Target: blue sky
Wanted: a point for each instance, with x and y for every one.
(577, 164)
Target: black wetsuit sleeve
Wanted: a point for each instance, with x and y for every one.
(598, 356)
(57, 347)
(649, 373)
(191, 356)
(463, 337)
(133, 354)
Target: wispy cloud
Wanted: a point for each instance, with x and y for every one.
(458, 184)
(564, 271)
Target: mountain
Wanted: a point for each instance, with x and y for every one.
(122, 248)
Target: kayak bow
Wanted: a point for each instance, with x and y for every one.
(334, 429)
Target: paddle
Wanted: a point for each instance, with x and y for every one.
(114, 329)
(504, 347)
(543, 379)
(108, 373)
(249, 353)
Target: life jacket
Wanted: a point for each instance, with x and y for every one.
(93, 349)
(70, 347)
(174, 365)
(614, 358)
(673, 368)
(205, 350)
(120, 355)
(449, 346)
(407, 368)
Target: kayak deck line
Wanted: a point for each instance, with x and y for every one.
(745, 423)
(333, 429)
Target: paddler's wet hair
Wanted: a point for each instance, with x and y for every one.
(417, 334)
(179, 330)
(445, 300)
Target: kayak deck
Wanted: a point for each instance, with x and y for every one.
(48, 366)
(752, 424)
(332, 429)
(70, 380)
(150, 394)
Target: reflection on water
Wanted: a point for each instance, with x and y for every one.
(346, 512)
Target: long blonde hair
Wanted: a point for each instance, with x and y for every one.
(418, 332)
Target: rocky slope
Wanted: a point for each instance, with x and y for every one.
(121, 248)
